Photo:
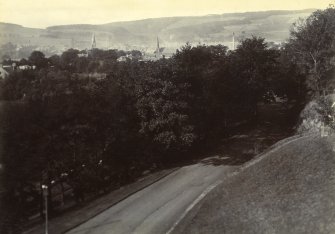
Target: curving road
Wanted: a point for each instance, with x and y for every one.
(159, 207)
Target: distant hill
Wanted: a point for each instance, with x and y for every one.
(172, 31)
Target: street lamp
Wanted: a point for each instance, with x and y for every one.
(45, 195)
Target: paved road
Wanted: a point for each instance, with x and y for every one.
(157, 208)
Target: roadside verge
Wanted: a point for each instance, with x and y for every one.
(80, 215)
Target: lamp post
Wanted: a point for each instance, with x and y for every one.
(45, 195)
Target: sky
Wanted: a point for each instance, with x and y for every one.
(44, 13)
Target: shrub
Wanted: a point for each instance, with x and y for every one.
(317, 115)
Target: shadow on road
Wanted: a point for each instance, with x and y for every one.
(275, 122)
(226, 160)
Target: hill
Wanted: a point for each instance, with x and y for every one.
(172, 31)
(290, 189)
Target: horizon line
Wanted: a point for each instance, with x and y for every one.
(163, 17)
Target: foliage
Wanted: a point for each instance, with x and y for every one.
(38, 59)
(256, 65)
(101, 122)
(312, 46)
(163, 107)
(318, 114)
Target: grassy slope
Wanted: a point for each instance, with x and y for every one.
(290, 189)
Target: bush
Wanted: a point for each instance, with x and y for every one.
(318, 114)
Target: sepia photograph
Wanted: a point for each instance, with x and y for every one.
(167, 117)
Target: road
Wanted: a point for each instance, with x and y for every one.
(159, 207)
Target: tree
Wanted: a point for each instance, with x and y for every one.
(136, 54)
(68, 59)
(290, 80)
(54, 60)
(38, 59)
(163, 108)
(23, 61)
(254, 65)
(81, 64)
(22, 164)
(17, 85)
(312, 44)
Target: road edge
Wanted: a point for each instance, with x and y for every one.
(169, 172)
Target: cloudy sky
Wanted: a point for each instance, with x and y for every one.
(43, 13)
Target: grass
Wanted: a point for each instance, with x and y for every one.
(290, 189)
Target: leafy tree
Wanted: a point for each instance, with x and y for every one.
(289, 81)
(163, 108)
(111, 55)
(22, 164)
(81, 64)
(136, 54)
(197, 67)
(68, 59)
(97, 54)
(23, 61)
(255, 67)
(54, 60)
(17, 85)
(38, 59)
(312, 45)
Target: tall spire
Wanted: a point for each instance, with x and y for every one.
(94, 44)
(233, 40)
(158, 50)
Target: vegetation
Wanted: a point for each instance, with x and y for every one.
(312, 45)
(94, 123)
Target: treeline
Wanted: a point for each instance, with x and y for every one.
(11, 51)
(312, 45)
(60, 125)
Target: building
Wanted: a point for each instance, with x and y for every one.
(3, 72)
(123, 59)
(6, 70)
(83, 54)
(26, 67)
(158, 51)
(94, 43)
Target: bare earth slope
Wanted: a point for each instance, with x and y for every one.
(290, 189)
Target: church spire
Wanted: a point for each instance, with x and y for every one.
(94, 44)
(158, 49)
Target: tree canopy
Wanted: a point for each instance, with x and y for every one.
(66, 118)
(312, 44)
